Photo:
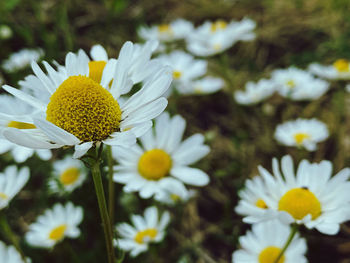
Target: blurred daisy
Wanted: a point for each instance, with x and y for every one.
(206, 85)
(312, 196)
(173, 192)
(178, 29)
(298, 84)
(163, 157)
(339, 70)
(14, 114)
(8, 254)
(255, 92)
(145, 230)
(22, 59)
(265, 242)
(5, 32)
(54, 225)
(215, 37)
(82, 112)
(68, 174)
(12, 181)
(302, 133)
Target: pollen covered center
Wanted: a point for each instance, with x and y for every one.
(70, 176)
(96, 70)
(177, 74)
(300, 137)
(20, 125)
(342, 65)
(84, 108)
(290, 84)
(3, 196)
(270, 254)
(164, 28)
(145, 235)
(58, 232)
(261, 204)
(300, 202)
(154, 164)
(218, 25)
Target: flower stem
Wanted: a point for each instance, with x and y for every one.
(106, 223)
(7, 231)
(294, 230)
(110, 184)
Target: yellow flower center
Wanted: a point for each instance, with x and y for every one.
(261, 204)
(270, 254)
(218, 25)
(164, 28)
(3, 196)
(342, 65)
(58, 232)
(217, 47)
(70, 176)
(300, 202)
(175, 197)
(145, 235)
(290, 83)
(20, 125)
(84, 108)
(177, 74)
(96, 70)
(300, 137)
(154, 164)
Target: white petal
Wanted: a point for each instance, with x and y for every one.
(81, 149)
(192, 176)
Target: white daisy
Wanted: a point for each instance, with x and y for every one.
(81, 111)
(5, 32)
(54, 225)
(215, 37)
(206, 85)
(312, 196)
(265, 242)
(8, 254)
(163, 157)
(12, 181)
(255, 92)
(298, 84)
(68, 174)
(178, 29)
(147, 229)
(14, 114)
(173, 192)
(22, 59)
(302, 133)
(339, 70)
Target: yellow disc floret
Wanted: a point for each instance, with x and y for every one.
(84, 108)
(290, 84)
(300, 202)
(20, 125)
(218, 25)
(96, 70)
(164, 28)
(145, 235)
(3, 196)
(58, 232)
(300, 137)
(70, 176)
(270, 254)
(342, 65)
(261, 204)
(154, 164)
(177, 74)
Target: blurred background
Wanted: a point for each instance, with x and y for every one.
(206, 229)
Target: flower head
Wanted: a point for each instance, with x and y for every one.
(339, 70)
(9, 254)
(22, 59)
(255, 92)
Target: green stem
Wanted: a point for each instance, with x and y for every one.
(7, 231)
(289, 240)
(110, 184)
(107, 227)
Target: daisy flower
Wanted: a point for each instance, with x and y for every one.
(298, 84)
(12, 181)
(54, 225)
(82, 112)
(178, 29)
(8, 254)
(17, 117)
(206, 85)
(68, 174)
(311, 196)
(162, 157)
(255, 92)
(145, 230)
(212, 38)
(339, 70)
(173, 192)
(22, 59)
(302, 133)
(265, 242)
